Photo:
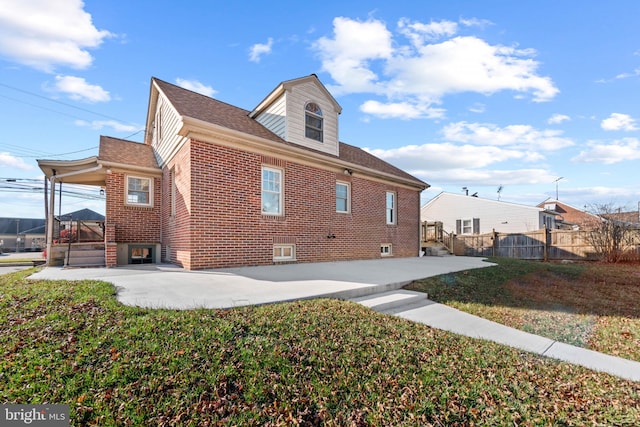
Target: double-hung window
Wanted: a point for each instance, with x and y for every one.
(342, 197)
(271, 191)
(313, 121)
(139, 191)
(391, 207)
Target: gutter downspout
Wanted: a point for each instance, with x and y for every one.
(52, 205)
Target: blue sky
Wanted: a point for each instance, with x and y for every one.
(476, 94)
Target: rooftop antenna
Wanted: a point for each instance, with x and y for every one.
(556, 181)
(466, 190)
(500, 190)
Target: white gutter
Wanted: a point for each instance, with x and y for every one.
(52, 203)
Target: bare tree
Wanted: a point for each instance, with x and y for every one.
(610, 238)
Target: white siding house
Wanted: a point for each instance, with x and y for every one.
(463, 214)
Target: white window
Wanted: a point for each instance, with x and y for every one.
(139, 191)
(313, 121)
(343, 198)
(468, 226)
(391, 207)
(285, 252)
(271, 191)
(386, 249)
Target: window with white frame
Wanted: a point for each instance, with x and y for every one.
(139, 191)
(271, 191)
(391, 207)
(313, 121)
(343, 197)
(284, 252)
(386, 249)
(467, 226)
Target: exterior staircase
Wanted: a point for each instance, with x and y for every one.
(436, 249)
(85, 255)
(394, 302)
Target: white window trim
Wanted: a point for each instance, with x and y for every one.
(317, 116)
(348, 185)
(462, 227)
(281, 246)
(126, 191)
(281, 193)
(394, 209)
(386, 249)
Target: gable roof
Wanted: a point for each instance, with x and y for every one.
(287, 85)
(84, 215)
(205, 109)
(117, 152)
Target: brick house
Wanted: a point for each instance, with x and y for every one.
(215, 185)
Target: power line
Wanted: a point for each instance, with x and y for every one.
(61, 103)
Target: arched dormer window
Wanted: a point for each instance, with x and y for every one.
(313, 121)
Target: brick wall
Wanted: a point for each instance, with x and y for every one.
(132, 224)
(220, 218)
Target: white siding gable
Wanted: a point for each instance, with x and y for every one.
(283, 113)
(297, 98)
(495, 215)
(274, 117)
(166, 124)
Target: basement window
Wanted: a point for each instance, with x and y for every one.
(386, 249)
(286, 252)
(140, 254)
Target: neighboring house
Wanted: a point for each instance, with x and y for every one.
(215, 185)
(462, 214)
(628, 219)
(569, 217)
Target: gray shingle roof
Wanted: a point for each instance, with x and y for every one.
(117, 150)
(201, 107)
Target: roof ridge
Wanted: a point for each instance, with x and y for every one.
(200, 94)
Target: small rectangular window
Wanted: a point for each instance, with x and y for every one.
(386, 249)
(284, 252)
(391, 207)
(342, 197)
(467, 226)
(139, 191)
(271, 191)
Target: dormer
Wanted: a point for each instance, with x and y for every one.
(302, 111)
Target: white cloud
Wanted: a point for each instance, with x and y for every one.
(558, 118)
(617, 121)
(523, 136)
(615, 152)
(401, 110)
(446, 156)
(347, 55)
(44, 34)
(419, 33)
(364, 57)
(77, 88)
(484, 177)
(9, 161)
(257, 50)
(478, 108)
(101, 124)
(196, 86)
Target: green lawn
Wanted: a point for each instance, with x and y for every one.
(320, 362)
(591, 305)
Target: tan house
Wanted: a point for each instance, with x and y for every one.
(215, 185)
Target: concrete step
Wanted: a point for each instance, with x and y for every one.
(392, 301)
(88, 257)
(436, 251)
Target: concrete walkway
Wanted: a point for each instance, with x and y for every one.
(373, 283)
(416, 307)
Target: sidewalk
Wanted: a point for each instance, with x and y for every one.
(416, 307)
